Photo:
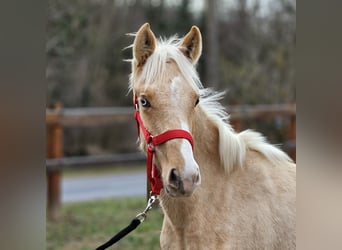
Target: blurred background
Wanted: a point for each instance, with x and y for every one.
(248, 50)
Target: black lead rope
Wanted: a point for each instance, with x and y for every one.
(121, 234)
(133, 225)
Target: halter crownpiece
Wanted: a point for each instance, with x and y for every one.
(153, 173)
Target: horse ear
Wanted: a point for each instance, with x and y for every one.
(191, 44)
(144, 45)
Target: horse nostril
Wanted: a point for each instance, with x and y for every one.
(196, 178)
(174, 179)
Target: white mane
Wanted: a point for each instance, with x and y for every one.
(233, 146)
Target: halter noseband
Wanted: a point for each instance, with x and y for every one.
(153, 173)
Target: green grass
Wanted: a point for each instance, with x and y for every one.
(86, 225)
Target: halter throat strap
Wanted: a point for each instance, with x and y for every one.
(153, 173)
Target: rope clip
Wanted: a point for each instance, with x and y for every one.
(142, 216)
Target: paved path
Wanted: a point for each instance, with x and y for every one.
(103, 186)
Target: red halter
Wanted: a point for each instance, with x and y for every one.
(153, 173)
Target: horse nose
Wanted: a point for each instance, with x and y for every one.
(174, 179)
(183, 185)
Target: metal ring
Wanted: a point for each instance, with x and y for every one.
(141, 217)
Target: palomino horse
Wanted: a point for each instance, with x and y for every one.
(231, 190)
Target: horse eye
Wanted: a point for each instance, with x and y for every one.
(197, 101)
(144, 102)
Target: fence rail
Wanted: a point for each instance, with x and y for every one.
(78, 117)
(99, 116)
(91, 161)
(59, 118)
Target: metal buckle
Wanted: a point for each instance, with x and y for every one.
(150, 143)
(142, 216)
(150, 147)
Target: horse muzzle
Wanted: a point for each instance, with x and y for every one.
(180, 184)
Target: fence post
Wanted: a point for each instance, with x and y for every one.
(292, 136)
(54, 150)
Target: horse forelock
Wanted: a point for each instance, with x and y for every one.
(155, 67)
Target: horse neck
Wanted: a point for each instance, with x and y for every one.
(206, 138)
(206, 152)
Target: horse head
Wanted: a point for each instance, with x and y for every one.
(164, 81)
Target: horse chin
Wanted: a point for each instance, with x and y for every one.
(177, 193)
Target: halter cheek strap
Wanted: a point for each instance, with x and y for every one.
(153, 173)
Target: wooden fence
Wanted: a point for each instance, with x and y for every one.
(59, 118)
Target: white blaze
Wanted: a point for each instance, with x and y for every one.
(190, 165)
